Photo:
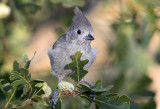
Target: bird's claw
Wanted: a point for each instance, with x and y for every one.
(54, 99)
(93, 95)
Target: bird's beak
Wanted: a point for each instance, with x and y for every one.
(89, 37)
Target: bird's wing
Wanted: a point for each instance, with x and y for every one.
(59, 42)
(55, 54)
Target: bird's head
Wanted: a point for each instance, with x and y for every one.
(81, 29)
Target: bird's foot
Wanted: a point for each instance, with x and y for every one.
(93, 94)
(54, 99)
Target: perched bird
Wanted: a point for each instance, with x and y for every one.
(77, 38)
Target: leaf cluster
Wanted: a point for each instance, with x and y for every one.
(133, 33)
(21, 90)
(103, 100)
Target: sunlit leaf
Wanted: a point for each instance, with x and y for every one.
(27, 60)
(124, 98)
(15, 66)
(116, 102)
(98, 87)
(21, 78)
(77, 67)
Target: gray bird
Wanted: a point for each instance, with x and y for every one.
(77, 38)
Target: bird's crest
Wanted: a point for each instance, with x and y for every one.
(78, 15)
(79, 19)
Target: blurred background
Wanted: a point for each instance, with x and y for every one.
(127, 38)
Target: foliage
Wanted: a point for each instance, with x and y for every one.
(23, 91)
(133, 33)
(103, 100)
(6, 88)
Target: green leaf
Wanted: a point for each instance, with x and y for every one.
(112, 102)
(37, 87)
(86, 101)
(124, 98)
(77, 67)
(98, 87)
(83, 88)
(58, 103)
(15, 66)
(40, 85)
(21, 78)
(6, 88)
(27, 60)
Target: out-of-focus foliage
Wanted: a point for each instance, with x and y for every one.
(69, 3)
(136, 25)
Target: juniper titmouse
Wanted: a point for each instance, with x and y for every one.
(77, 38)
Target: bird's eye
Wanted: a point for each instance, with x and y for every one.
(78, 31)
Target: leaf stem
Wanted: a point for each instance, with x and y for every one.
(77, 67)
(10, 99)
